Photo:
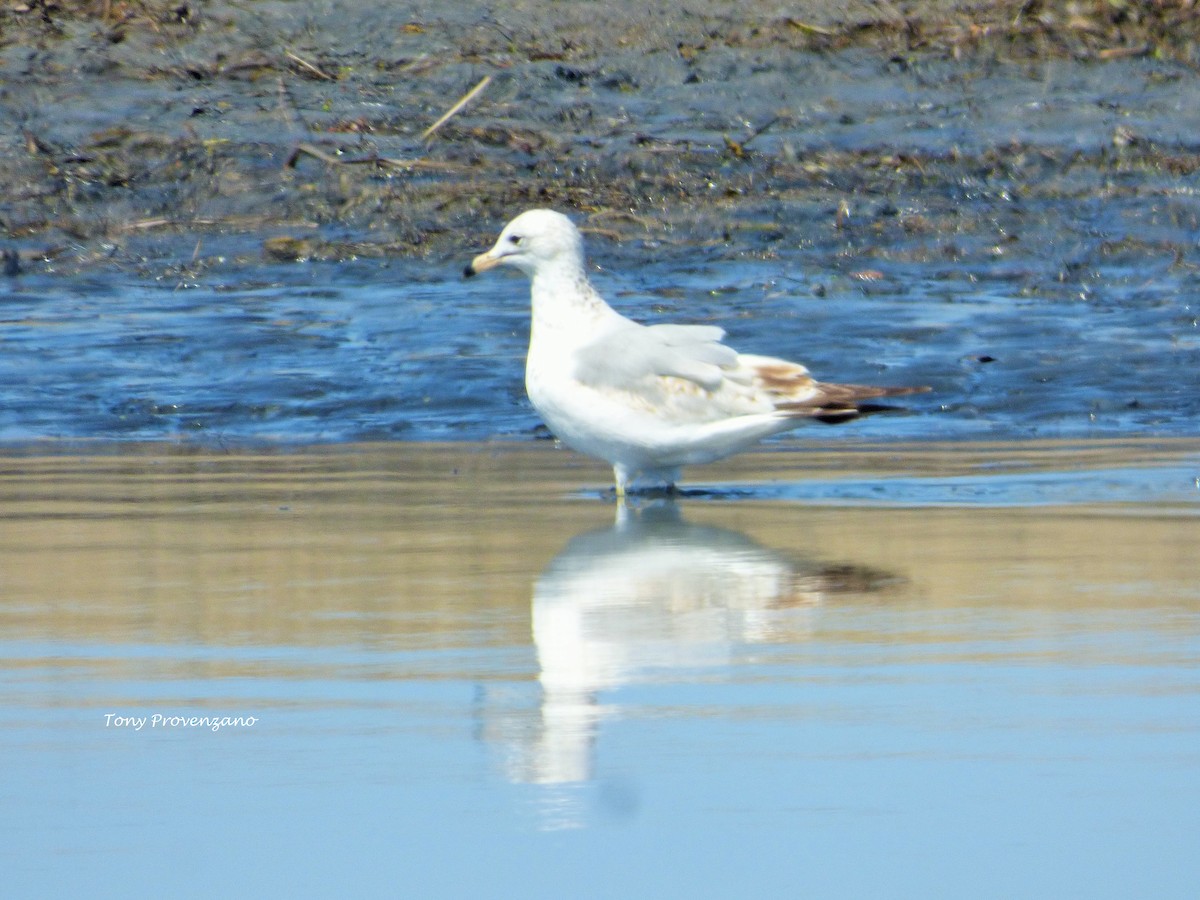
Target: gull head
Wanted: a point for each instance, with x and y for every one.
(536, 240)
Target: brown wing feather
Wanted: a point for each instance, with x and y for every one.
(838, 402)
(796, 393)
(783, 379)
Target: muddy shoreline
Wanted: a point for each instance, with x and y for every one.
(162, 136)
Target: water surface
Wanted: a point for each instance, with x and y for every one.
(368, 351)
(468, 676)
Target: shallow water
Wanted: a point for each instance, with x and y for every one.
(367, 351)
(465, 679)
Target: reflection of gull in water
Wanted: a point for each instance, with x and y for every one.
(651, 595)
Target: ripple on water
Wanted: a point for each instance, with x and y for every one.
(318, 353)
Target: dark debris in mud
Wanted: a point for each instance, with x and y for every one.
(156, 132)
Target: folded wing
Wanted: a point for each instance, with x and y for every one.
(682, 364)
(628, 354)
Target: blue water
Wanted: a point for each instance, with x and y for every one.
(1171, 486)
(479, 685)
(318, 352)
(991, 751)
(860, 700)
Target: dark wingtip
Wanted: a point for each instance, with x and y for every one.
(468, 271)
(838, 416)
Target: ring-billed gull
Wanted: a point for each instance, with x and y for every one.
(648, 399)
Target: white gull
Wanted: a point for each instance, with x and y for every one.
(648, 399)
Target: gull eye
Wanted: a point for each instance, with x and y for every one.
(515, 240)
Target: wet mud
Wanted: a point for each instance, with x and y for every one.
(172, 134)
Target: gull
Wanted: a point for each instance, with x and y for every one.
(648, 399)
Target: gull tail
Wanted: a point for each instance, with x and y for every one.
(835, 403)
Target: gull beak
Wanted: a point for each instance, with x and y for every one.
(483, 262)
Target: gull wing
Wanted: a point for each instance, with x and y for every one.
(628, 354)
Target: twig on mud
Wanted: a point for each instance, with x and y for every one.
(738, 148)
(462, 101)
(35, 146)
(423, 63)
(761, 129)
(165, 222)
(313, 151)
(370, 159)
(232, 221)
(810, 28)
(429, 165)
(287, 109)
(307, 66)
(145, 224)
(1124, 52)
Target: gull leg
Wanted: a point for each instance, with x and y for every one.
(621, 481)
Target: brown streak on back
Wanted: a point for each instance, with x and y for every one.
(783, 379)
